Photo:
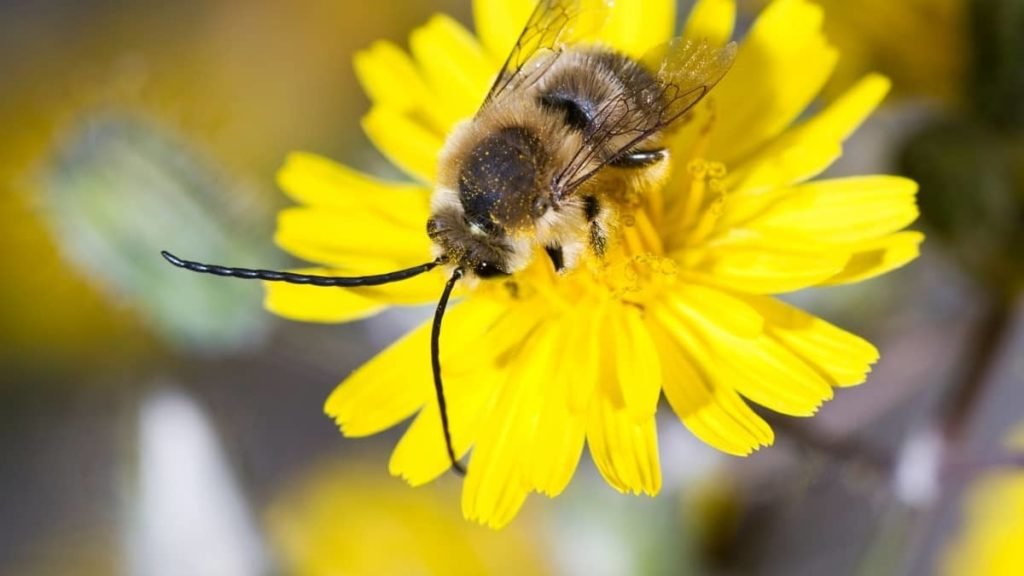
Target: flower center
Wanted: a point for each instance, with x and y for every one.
(651, 232)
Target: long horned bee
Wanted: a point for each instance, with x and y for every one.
(565, 132)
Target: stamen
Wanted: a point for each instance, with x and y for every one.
(698, 169)
(647, 233)
(716, 193)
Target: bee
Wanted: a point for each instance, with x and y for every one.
(566, 133)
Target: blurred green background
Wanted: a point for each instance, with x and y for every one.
(153, 422)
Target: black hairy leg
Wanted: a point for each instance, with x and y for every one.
(556, 256)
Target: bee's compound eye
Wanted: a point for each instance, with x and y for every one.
(488, 270)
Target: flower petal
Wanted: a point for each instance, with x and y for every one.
(496, 484)
(635, 27)
(784, 60)
(339, 239)
(733, 316)
(587, 333)
(806, 150)
(635, 381)
(473, 378)
(760, 264)
(791, 238)
(455, 66)
(561, 422)
(397, 382)
(876, 257)
(758, 367)
(844, 359)
(499, 24)
(624, 448)
(318, 304)
(407, 143)
(775, 378)
(333, 305)
(620, 424)
(390, 77)
(712, 20)
(708, 407)
(421, 455)
(385, 390)
(319, 182)
(838, 211)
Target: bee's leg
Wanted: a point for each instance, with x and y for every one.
(598, 238)
(598, 235)
(638, 159)
(591, 208)
(513, 289)
(557, 257)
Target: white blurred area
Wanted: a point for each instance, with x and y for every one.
(186, 514)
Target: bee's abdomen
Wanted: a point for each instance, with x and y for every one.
(596, 90)
(577, 111)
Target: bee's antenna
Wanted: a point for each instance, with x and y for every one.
(435, 362)
(310, 279)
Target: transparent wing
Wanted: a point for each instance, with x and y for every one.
(553, 24)
(684, 72)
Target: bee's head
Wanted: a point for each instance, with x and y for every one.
(484, 253)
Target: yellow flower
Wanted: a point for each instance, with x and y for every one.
(989, 543)
(680, 304)
(342, 519)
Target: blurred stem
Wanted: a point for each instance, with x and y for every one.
(984, 346)
(961, 405)
(883, 554)
(997, 87)
(842, 448)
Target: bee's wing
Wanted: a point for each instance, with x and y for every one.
(685, 71)
(552, 25)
